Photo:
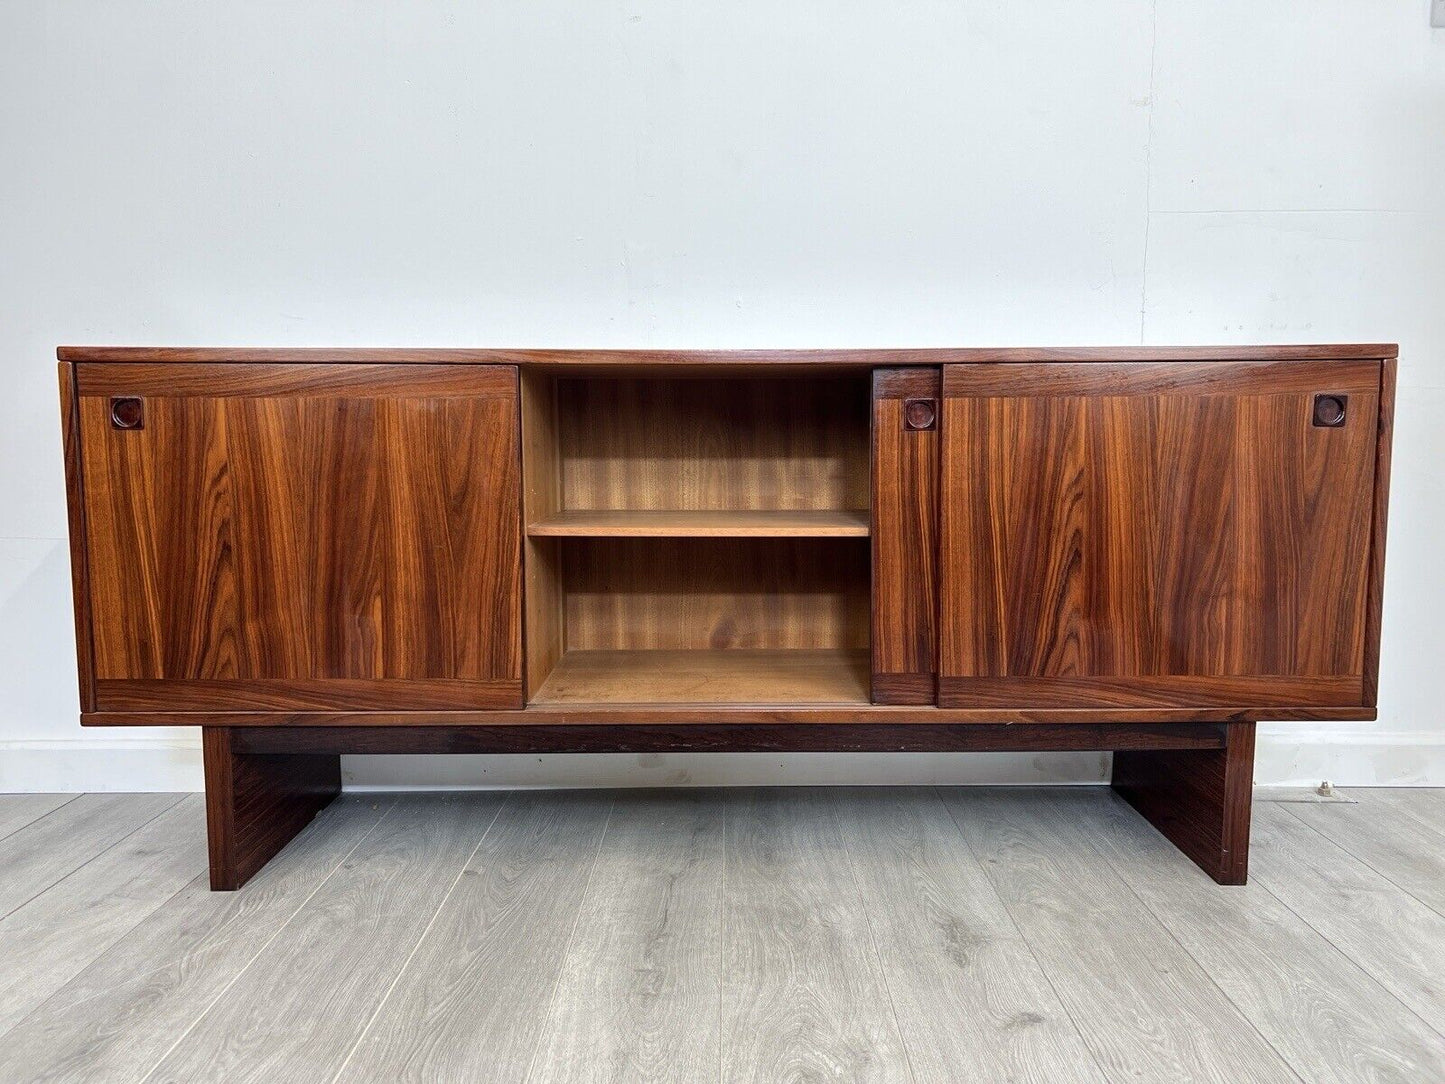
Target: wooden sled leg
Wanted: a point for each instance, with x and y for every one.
(257, 802)
(1199, 799)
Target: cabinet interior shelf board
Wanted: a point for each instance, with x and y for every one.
(736, 676)
(710, 523)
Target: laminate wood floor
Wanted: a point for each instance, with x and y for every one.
(880, 934)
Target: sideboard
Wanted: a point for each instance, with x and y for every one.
(315, 552)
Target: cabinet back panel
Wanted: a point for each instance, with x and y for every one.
(706, 444)
(693, 594)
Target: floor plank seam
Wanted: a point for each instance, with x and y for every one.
(1262, 880)
(1239, 1010)
(873, 939)
(1023, 940)
(71, 1005)
(104, 850)
(37, 820)
(104, 948)
(722, 958)
(1347, 958)
(571, 941)
(1341, 884)
(201, 879)
(1374, 801)
(262, 947)
(400, 971)
(1368, 865)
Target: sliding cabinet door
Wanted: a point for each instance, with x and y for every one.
(904, 530)
(301, 537)
(1158, 535)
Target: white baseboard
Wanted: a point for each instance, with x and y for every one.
(101, 764)
(1347, 755)
(1286, 755)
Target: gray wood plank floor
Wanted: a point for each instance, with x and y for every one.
(918, 934)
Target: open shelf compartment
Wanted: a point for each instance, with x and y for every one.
(692, 541)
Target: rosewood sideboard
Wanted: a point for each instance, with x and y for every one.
(315, 552)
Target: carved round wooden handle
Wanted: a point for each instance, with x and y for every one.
(920, 413)
(1330, 410)
(127, 412)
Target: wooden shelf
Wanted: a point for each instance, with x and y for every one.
(734, 676)
(740, 523)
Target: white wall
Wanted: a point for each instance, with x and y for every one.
(715, 174)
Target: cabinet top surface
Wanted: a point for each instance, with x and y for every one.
(707, 359)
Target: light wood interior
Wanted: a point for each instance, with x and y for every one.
(713, 445)
(714, 594)
(541, 490)
(696, 541)
(729, 523)
(708, 677)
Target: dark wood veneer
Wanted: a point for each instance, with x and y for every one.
(1374, 611)
(256, 802)
(896, 688)
(313, 381)
(1145, 534)
(280, 537)
(722, 738)
(674, 359)
(905, 540)
(1272, 691)
(299, 694)
(661, 714)
(1199, 800)
(1113, 378)
(79, 565)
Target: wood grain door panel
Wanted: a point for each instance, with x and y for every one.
(349, 540)
(1155, 535)
(905, 535)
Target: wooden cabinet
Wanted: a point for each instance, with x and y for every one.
(270, 538)
(1138, 550)
(1157, 535)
